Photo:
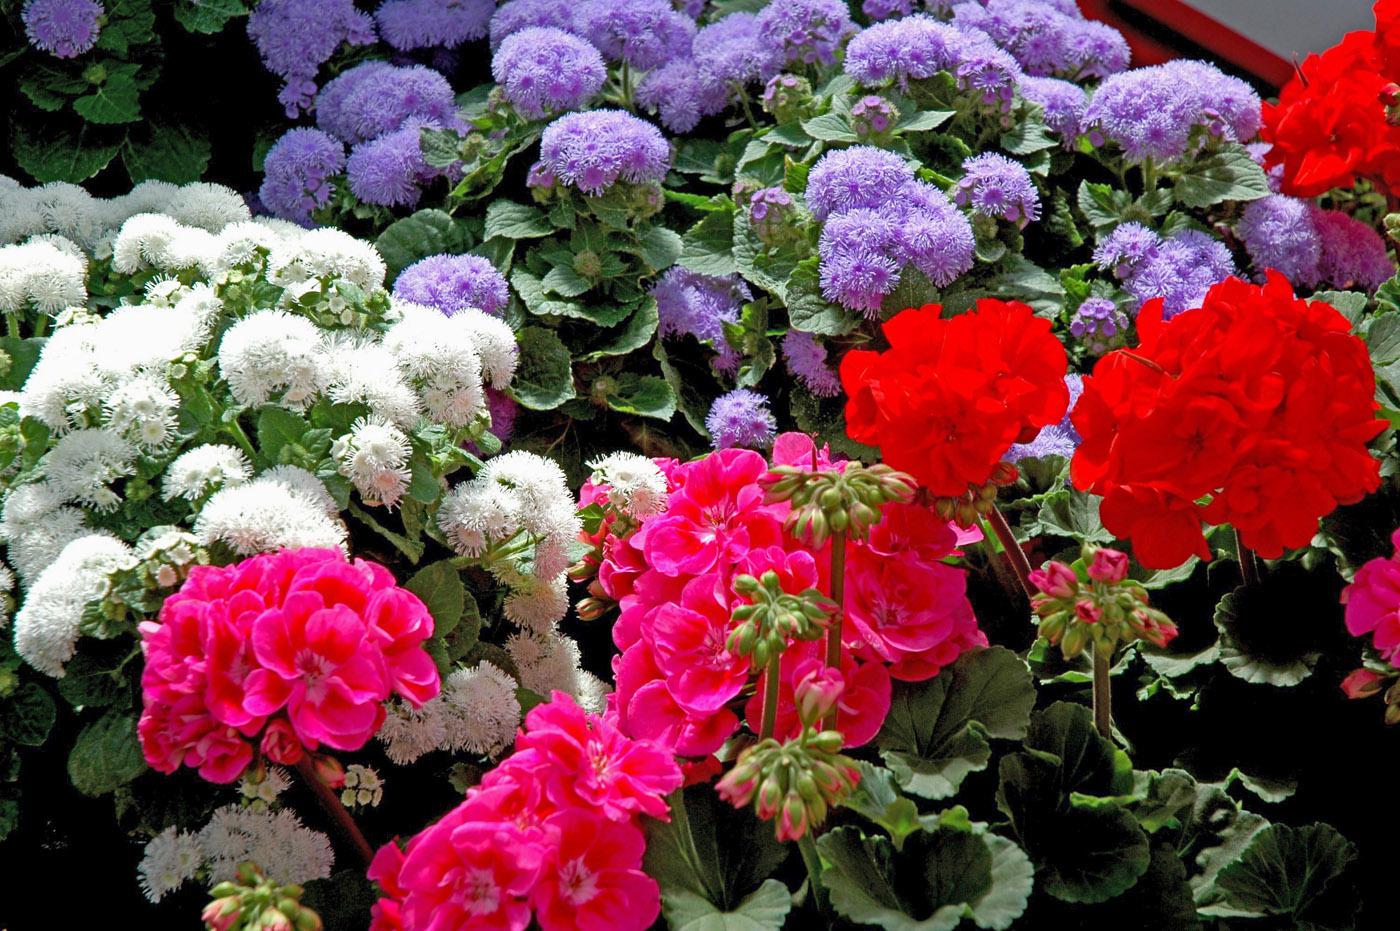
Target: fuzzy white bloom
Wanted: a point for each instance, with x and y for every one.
(155, 240)
(240, 244)
(210, 207)
(636, 484)
(472, 516)
(374, 456)
(171, 859)
(138, 338)
(43, 274)
(36, 526)
(47, 625)
(263, 516)
(547, 660)
(67, 380)
(143, 411)
(19, 212)
(408, 733)
(82, 465)
(362, 786)
(481, 709)
(203, 469)
(538, 603)
(438, 356)
(146, 197)
(302, 484)
(592, 694)
(198, 308)
(285, 849)
(326, 254)
(7, 587)
(273, 351)
(359, 371)
(70, 211)
(164, 292)
(495, 344)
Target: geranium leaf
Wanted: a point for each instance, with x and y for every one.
(764, 909)
(439, 586)
(106, 755)
(1297, 873)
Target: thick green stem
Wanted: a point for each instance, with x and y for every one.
(626, 85)
(1249, 563)
(1149, 176)
(41, 326)
(235, 430)
(1103, 694)
(770, 697)
(337, 811)
(838, 595)
(12, 325)
(1015, 556)
(813, 861)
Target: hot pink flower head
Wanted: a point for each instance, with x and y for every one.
(280, 743)
(1373, 602)
(594, 881)
(1056, 580)
(689, 645)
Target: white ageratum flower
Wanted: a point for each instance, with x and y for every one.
(374, 456)
(205, 469)
(285, 849)
(271, 352)
(261, 785)
(326, 254)
(547, 660)
(137, 338)
(172, 858)
(83, 464)
(495, 344)
(146, 197)
(636, 485)
(7, 588)
(36, 525)
(266, 515)
(143, 411)
(303, 485)
(438, 356)
(155, 240)
(538, 603)
(43, 274)
(47, 625)
(359, 371)
(164, 292)
(19, 212)
(70, 211)
(67, 381)
(408, 733)
(482, 709)
(209, 207)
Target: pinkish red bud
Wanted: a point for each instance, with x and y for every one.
(329, 771)
(1087, 611)
(817, 692)
(1056, 580)
(1362, 683)
(1108, 565)
(221, 914)
(280, 743)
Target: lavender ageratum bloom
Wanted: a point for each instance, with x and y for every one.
(1125, 248)
(388, 170)
(63, 28)
(452, 283)
(872, 116)
(934, 236)
(415, 24)
(1097, 323)
(1046, 40)
(1353, 254)
(1056, 439)
(806, 360)
(680, 95)
(1061, 102)
(295, 37)
(1152, 112)
(805, 31)
(297, 173)
(516, 15)
(886, 9)
(375, 98)
(643, 33)
(732, 53)
(996, 186)
(902, 50)
(1180, 269)
(542, 70)
(741, 418)
(594, 150)
(860, 176)
(691, 304)
(1278, 233)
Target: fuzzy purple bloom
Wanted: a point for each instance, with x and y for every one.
(542, 70)
(860, 176)
(741, 418)
(1123, 249)
(903, 50)
(644, 33)
(594, 150)
(806, 360)
(452, 283)
(297, 173)
(1353, 254)
(806, 31)
(691, 304)
(680, 95)
(415, 24)
(1278, 233)
(375, 98)
(1061, 102)
(1047, 41)
(1180, 269)
(887, 9)
(996, 186)
(63, 28)
(296, 37)
(388, 170)
(1057, 439)
(732, 51)
(516, 15)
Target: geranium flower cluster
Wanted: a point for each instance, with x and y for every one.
(679, 684)
(1258, 404)
(1093, 603)
(553, 833)
(286, 652)
(1373, 603)
(1333, 122)
(950, 396)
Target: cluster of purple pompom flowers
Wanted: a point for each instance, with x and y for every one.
(1312, 246)
(63, 28)
(1180, 269)
(593, 150)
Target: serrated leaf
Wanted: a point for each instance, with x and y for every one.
(106, 755)
(1028, 137)
(414, 237)
(708, 246)
(877, 798)
(515, 221)
(564, 280)
(643, 396)
(27, 715)
(54, 154)
(1101, 204)
(277, 427)
(1230, 174)
(634, 334)
(169, 153)
(808, 310)
(829, 127)
(116, 100)
(208, 16)
(1074, 514)
(544, 379)
(923, 121)
(439, 586)
(661, 248)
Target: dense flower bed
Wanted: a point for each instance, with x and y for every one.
(747, 464)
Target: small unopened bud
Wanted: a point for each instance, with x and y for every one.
(817, 692)
(1108, 565)
(1056, 580)
(1362, 683)
(329, 771)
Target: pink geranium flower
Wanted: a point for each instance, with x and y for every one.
(689, 645)
(1373, 602)
(594, 882)
(468, 874)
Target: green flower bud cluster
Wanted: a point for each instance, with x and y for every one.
(794, 783)
(773, 617)
(788, 97)
(831, 501)
(160, 562)
(251, 902)
(978, 501)
(1086, 604)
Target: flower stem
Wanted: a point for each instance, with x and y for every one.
(838, 595)
(813, 861)
(1103, 695)
(1015, 556)
(770, 697)
(1249, 563)
(337, 811)
(626, 78)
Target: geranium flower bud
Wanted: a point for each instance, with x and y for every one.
(280, 743)
(1056, 580)
(329, 771)
(770, 796)
(1087, 611)
(817, 692)
(1108, 565)
(222, 913)
(273, 920)
(1362, 683)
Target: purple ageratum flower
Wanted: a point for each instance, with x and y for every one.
(805, 31)
(934, 235)
(1056, 439)
(542, 70)
(1094, 49)
(1278, 233)
(516, 15)
(886, 9)
(806, 360)
(297, 173)
(691, 304)
(680, 95)
(741, 418)
(388, 170)
(996, 186)
(988, 73)
(902, 50)
(63, 28)
(1097, 322)
(860, 176)
(1124, 249)
(375, 98)
(644, 33)
(732, 52)
(1046, 40)
(1353, 254)
(1062, 104)
(452, 283)
(296, 37)
(1180, 269)
(415, 24)
(594, 150)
